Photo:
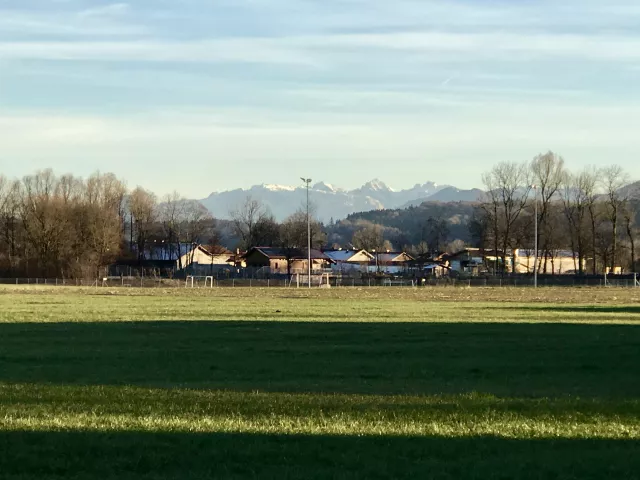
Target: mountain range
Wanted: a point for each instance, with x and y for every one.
(330, 202)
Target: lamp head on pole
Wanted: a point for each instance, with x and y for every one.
(306, 180)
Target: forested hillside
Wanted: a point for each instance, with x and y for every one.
(432, 225)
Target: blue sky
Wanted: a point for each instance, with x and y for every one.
(204, 96)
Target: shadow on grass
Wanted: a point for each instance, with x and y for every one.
(44, 455)
(621, 310)
(533, 360)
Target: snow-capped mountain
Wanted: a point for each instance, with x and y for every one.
(328, 200)
(449, 194)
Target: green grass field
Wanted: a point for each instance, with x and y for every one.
(345, 383)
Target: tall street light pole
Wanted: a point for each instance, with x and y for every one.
(307, 182)
(535, 254)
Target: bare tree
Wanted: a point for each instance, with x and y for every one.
(547, 174)
(508, 186)
(266, 231)
(5, 196)
(613, 179)
(437, 233)
(171, 212)
(143, 208)
(576, 197)
(589, 184)
(9, 203)
(293, 235)
(369, 237)
(251, 221)
(490, 217)
(45, 224)
(629, 216)
(197, 223)
(294, 230)
(456, 246)
(422, 248)
(103, 206)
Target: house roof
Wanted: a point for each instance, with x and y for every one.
(346, 255)
(428, 258)
(474, 252)
(216, 250)
(294, 254)
(165, 250)
(171, 251)
(392, 257)
(523, 252)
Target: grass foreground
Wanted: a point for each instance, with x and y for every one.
(346, 383)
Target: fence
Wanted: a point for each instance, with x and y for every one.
(294, 281)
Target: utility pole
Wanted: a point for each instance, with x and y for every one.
(535, 255)
(307, 182)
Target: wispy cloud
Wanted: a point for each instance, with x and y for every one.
(231, 50)
(318, 50)
(319, 81)
(21, 23)
(110, 10)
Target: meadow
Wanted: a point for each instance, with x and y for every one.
(450, 383)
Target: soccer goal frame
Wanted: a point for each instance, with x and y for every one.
(318, 280)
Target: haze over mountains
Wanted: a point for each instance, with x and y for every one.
(330, 201)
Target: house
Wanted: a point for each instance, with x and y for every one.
(474, 261)
(390, 262)
(557, 262)
(133, 267)
(349, 261)
(278, 260)
(206, 260)
(428, 265)
(167, 259)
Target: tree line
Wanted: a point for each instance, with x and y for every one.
(66, 226)
(591, 213)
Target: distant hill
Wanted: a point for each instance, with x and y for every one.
(449, 194)
(631, 191)
(409, 226)
(332, 202)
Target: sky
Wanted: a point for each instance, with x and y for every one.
(200, 96)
